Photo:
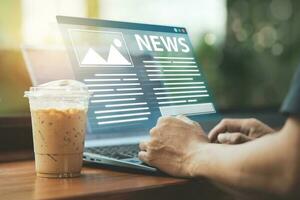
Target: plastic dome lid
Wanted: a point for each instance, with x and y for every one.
(69, 88)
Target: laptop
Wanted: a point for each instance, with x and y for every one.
(136, 73)
(39, 68)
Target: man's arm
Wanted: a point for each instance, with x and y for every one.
(269, 165)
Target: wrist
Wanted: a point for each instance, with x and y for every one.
(198, 160)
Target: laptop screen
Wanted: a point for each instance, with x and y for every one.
(42, 72)
(137, 73)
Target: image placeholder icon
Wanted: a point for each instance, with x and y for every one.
(100, 48)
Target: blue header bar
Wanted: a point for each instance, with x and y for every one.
(116, 24)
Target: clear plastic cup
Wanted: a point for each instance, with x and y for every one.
(58, 114)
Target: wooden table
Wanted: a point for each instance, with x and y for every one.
(19, 182)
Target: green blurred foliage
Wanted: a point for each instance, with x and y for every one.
(14, 78)
(254, 67)
(14, 81)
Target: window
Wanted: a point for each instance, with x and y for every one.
(29, 22)
(39, 23)
(198, 16)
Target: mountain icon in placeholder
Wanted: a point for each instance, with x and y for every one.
(92, 58)
(114, 57)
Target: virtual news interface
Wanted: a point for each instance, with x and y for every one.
(137, 73)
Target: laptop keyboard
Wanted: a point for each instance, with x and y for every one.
(117, 152)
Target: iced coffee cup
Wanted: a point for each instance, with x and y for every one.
(58, 114)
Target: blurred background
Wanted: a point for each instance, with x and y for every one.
(248, 49)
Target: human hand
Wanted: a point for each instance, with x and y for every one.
(236, 131)
(173, 144)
